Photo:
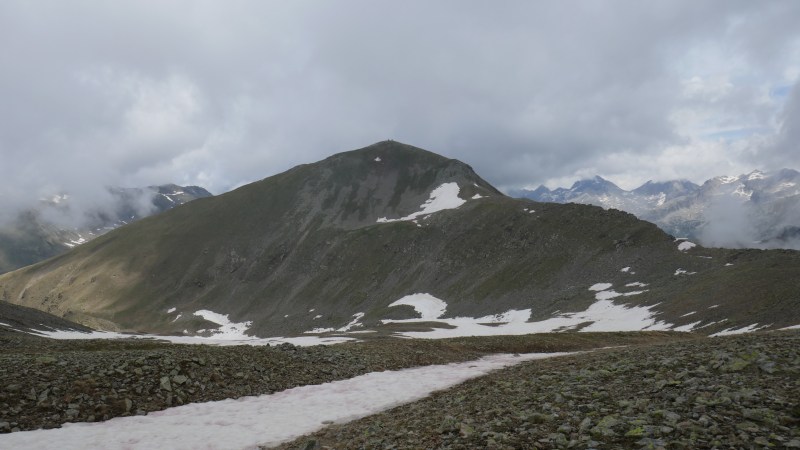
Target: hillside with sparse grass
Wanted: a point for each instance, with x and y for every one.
(330, 246)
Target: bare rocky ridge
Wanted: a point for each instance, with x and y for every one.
(732, 392)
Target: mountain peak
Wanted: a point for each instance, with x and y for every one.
(595, 185)
(670, 189)
(355, 188)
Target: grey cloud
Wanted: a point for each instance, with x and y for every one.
(219, 94)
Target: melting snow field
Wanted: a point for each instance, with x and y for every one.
(428, 306)
(603, 315)
(229, 333)
(302, 341)
(227, 329)
(267, 419)
(600, 286)
(731, 331)
(443, 197)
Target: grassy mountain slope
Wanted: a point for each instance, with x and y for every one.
(272, 251)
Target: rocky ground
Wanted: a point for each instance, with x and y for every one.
(734, 392)
(45, 383)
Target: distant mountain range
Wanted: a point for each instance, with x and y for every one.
(391, 237)
(51, 228)
(759, 209)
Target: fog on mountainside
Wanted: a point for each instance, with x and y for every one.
(60, 223)
(755, 210)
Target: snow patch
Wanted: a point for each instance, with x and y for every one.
(600, 286)
(477, 196)
(636, 284)
(728, 264)
(353, 323)
(510, 316)
(793, 327)
(171, 310)
(267, 419)
(683, 272)
(689, 313)
(625, 269)
(319, 331)
(730, 331)
(72, 334)
(606, 295)
(713, 306)
(603, 315)
(227, 329)
(686, 245)
(688, 327)
(428, 306)
(377, 159)
(443, 197)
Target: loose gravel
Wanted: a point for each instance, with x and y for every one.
(45, 383)
(733, 392)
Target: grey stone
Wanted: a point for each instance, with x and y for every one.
(164, 384)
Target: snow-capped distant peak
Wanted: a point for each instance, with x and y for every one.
(743, 192)
(727, 179)
(755, 175)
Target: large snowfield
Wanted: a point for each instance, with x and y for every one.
(267, 419)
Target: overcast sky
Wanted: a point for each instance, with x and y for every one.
(221, 93)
